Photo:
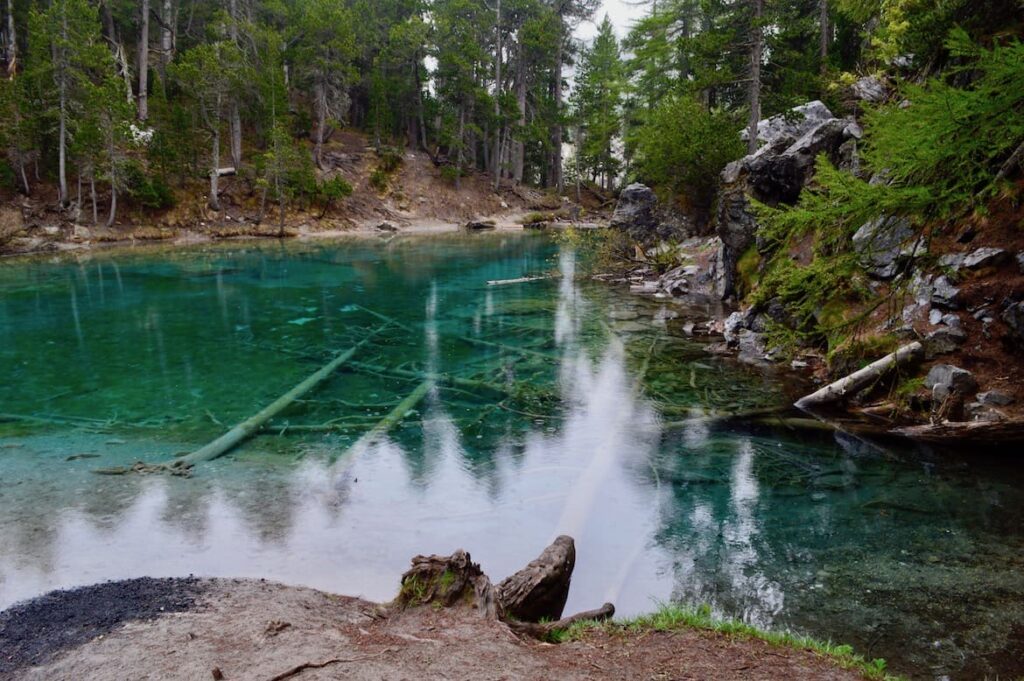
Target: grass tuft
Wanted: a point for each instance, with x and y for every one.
(673, 616)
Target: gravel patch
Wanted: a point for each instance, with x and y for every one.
(34, 631)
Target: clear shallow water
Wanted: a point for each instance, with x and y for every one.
(589, 428)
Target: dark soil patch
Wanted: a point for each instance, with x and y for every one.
(32, 632)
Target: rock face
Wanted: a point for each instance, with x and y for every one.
(635, 212)
(775, 174)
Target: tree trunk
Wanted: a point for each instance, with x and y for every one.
(518, 147)
(12, 42)
(24, 176)
(214, 201)
(236, 135)
(92, 194)
(461, 142)
(166, 38)
(756, 50)
(112, 151)
(234, 115)
(496, 160)
(823, 27)
(143, 56)
(321, 123)
(419, 102)
(60, 64)
(556, 138)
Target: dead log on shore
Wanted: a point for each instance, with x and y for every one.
(859, 380)
(969, 432)
(544, 630)
(522, 600)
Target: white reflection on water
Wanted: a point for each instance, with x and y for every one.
(353, 525)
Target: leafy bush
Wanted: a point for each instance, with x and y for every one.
(329, 192)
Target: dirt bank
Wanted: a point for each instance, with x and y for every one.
(247, 629)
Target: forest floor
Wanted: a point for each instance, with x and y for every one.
(248, 629)
(413, 197)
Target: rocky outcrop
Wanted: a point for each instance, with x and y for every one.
(635, 211)
(640, 216)
(775, 174)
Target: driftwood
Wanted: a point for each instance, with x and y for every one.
(858, 380)
(969, 432)
(536, 592)
(252, 425)
(480, 225)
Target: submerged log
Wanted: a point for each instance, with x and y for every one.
(858, 380)
(539, 590)
(249, 427)
(519, 280)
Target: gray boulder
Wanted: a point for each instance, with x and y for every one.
(1013, 315)
(995, 398)
(943, 341)
(870, 89)
(880, 245)
(791, 125)
(944, 379)
(636, 212)
(944, 294)
(985, 257)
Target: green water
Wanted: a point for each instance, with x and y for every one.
(579, 413)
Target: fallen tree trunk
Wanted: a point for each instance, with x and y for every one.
(858, 380)
(252, 425)
(969, 432)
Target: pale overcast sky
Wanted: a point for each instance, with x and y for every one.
(622, 13)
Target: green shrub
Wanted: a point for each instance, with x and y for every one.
(681, 147)
(147, 190)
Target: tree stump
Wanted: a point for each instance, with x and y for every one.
(448, 580)
(539, 590)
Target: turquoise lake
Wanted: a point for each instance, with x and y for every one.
(561, 406)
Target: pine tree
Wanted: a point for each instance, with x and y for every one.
(596, 107)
